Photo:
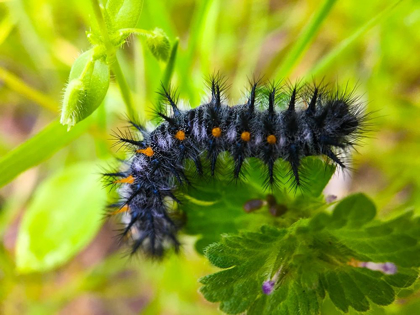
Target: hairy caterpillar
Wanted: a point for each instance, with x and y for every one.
(317, 121)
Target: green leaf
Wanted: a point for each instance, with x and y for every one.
(329, 253)
(316, 175)
(38, 148)
(62, 218)
(352, 212)
(253, 258)
(123, 13)
(215, 207)
(328, 58)
(303, 40)
(169, 69)
(394, 241)
(87, 87)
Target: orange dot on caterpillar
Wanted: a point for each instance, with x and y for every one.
(271, 139)
(121, 210)
(180, 135)
(216, 132)
(245, 136)
(148, 151)
(127, 180)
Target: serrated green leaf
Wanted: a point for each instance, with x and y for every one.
(316, 175)
(403, 279)
(63, 216)
(344, 291)
(309, 258)
(370, 283)
(352, 212)
(352, 224)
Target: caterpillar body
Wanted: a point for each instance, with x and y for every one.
(315, 121)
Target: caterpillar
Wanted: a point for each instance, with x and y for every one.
(315, 121)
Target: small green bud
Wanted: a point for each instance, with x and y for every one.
(158, 43)
(88, 84)
(72, 103)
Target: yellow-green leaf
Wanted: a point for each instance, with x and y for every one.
(62, 218)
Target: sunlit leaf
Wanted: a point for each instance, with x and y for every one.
(63, 216)
(38, 148)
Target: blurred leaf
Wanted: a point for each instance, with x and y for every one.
(169, 69)
(38, 148)
(307, 35)
(123, 13)
(30, 93)
(343, 45)
(62, 218)
(198, 23)
(88, 84)
(302, 263)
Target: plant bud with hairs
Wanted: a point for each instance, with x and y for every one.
(87, 87)
(158, 43)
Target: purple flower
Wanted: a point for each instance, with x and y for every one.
(388, 268)
(330, 198)
(268, 287)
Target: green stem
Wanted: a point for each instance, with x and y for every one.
(102, 26)
(30, 93)
(137, 31)
(115, 66)
(167, 75)
(124, 88)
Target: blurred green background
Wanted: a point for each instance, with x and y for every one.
(373, 45)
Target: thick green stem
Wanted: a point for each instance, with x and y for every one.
(115, 66)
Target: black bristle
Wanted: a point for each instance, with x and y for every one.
(272, 100)
(334, 157)
(171, 97)
(251, 99)
(170, 120)
(312, 104)
(292, 101)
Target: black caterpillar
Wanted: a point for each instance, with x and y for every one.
(317, 122)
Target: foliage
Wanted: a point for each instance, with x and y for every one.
(311, 258)
(47, 240)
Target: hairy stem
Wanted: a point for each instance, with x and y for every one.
(115, 66)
